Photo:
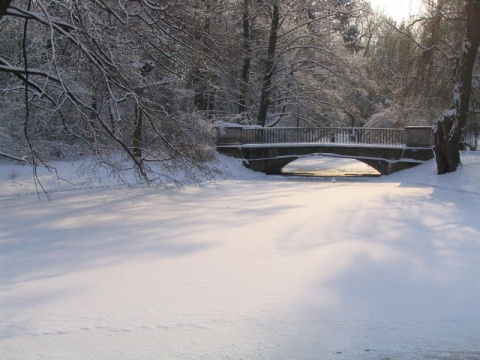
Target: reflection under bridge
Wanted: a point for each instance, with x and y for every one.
(270, 149)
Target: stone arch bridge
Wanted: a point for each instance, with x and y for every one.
(270, 149)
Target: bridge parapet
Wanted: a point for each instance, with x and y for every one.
(413, 136)
(418, 136)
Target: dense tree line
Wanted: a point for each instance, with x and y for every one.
(150, 79)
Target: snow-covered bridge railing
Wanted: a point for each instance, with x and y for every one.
(354, 135)
(410, 136)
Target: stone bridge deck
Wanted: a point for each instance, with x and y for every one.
(270, 149)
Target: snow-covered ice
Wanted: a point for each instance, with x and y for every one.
(247, 267)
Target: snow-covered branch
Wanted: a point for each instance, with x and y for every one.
(9, 68)
(13, 157)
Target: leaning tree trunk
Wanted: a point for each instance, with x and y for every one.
(269, 66)
(245, 76)
(450, 125)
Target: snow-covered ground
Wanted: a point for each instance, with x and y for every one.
(248, 267)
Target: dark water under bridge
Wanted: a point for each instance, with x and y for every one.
(270, 149)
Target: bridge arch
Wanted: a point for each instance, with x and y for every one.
(328, 166)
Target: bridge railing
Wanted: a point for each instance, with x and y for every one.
(354, 136)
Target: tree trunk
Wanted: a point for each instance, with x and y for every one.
(449, 126)
(204, 99)
(138, 131)
(245, 77)
(92, 126)
(269, 65)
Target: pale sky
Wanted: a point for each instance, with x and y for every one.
(397, 9)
